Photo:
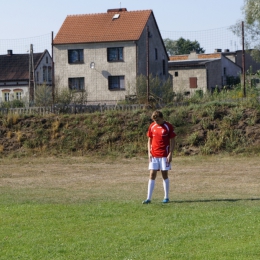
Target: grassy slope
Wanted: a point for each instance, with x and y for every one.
(209, 128)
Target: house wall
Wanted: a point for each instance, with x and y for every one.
(39, 70)
(214, 74)
(249, 61)
(12, 88)
(181, 83)
(96, 80)
(228, 69)
(155, 42)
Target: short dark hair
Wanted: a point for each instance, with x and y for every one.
(157, 114)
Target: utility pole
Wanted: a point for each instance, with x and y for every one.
(31, 76)
(243, 61)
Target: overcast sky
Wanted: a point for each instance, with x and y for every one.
(30, 18)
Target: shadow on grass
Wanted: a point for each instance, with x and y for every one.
(213, 200)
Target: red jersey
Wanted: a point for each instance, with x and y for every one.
(160, 138)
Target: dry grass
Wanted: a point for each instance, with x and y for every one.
(19, 136)
(9, 135)
(81, 178)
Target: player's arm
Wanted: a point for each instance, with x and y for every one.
(149, 147)
(172, 146)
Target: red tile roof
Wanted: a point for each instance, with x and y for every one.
(200, 56)
(209, 56)
(102, 27)
(179, 57)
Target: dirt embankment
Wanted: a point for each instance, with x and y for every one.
(124, 133)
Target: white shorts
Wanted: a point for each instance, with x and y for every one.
(159, 164)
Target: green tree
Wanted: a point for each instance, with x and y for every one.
(182, 46)
(161, 92)
(251, 12)
(43, 95)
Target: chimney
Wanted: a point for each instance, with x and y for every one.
(226, 50)
(9, 52)
(218, 50)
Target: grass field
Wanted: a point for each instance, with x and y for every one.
(88, 208)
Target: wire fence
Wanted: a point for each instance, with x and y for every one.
(219, 38)
(22, 46)
(210, 40)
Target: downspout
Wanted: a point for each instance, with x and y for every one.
(147, 64)
(243, 60)
(52, 71)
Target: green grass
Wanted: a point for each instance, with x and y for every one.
(125, 229)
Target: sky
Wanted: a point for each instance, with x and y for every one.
(202, 20)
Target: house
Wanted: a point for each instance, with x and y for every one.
(15, 80)
(194, 72)
(236, 56)
(104, 53)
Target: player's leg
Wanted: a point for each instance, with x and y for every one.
(151, 184)
(166, 186)
(153, 167)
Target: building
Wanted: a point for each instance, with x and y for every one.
(250, 63)
(15, 80)
(194, 72)
(104, 53)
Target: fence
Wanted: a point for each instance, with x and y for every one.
(73, 109)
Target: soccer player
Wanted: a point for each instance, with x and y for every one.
(161, 144)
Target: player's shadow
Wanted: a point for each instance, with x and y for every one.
(213, 200)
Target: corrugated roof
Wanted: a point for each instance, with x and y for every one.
(102, 27)
(16, 66)
(190, 63)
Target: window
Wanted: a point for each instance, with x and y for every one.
(75, 56)
(76, 83)
(156, 54)
(115, 54)
(176, 74)
(224, 71)
(37, 76)
(193, 82)
(116, 82)
(163, 67)
(18, 95)
(44, 73)
(6, 96)
(49, 74)
(47, 59)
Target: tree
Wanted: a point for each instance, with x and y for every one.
(251, 11)
(161, 92)
(43, 95)
(182, 46)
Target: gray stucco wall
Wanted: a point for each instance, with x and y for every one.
(249, 61)
(155, 42)
(229, 69)
(214, 69)
(96, 80)
(181, 83)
